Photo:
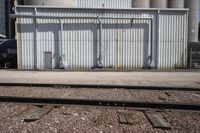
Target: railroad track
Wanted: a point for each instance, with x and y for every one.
(102, 86)
(148, 108)
(103, 103)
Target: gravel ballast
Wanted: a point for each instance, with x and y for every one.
(82, 119)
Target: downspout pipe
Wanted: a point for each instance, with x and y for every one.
(150, 57)
(100, 61)
(61, 42)
(35, 38)
(152, 63)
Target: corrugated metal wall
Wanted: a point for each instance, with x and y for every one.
(125, 45)
(105, 3)
(173, 34)
(80, 44)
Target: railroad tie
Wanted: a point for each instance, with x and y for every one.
(157, 121)
(38, 114)
(125, 118)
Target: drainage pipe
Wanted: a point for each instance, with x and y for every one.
(152, 63)
(35, 38)
(72, 17)
(61, 42)
(100, 60)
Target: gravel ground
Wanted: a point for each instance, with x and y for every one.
(103, 94)
(82, 119)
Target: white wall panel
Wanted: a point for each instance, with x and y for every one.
(125, 45)
(172, 40)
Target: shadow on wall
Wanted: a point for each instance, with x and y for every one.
(179, 63)
(120, 31)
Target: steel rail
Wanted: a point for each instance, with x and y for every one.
(102, 86)
(92, 102)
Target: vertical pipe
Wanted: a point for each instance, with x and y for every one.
(100, 62)
(35, 39)
(152, 63)
(61, 43)
(158, 57)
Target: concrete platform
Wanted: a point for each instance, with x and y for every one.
(177, 79)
